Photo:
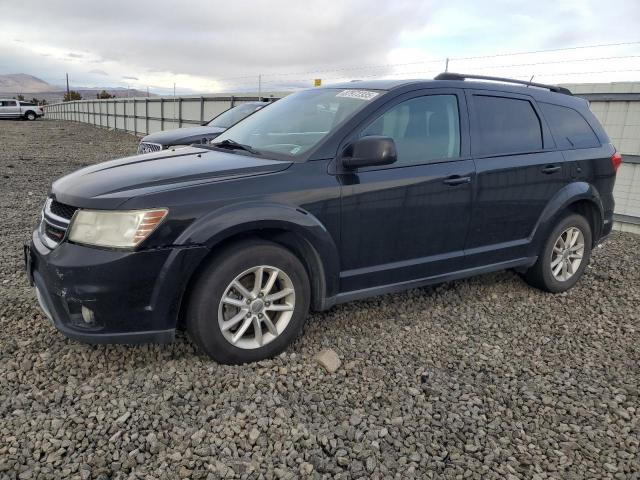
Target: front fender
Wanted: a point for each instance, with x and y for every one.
(231, 220)
(571, 193)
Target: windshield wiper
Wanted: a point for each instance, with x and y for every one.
(233, 145)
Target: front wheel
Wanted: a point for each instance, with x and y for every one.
(31, 116)
(564, 257)
(249, 303)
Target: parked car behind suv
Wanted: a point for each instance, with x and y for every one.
(10, 108)
(204, 134)
(329, 195)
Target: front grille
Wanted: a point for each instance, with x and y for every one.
(54, 233)
(62, 210)
(147, 147)
(56, 217)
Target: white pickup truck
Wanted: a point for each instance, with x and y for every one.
(10, 108)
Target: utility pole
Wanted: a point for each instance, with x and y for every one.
(67, 85)
(260, 87)
(446, 65)
(147, 92)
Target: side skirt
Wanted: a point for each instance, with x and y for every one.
(421, 282)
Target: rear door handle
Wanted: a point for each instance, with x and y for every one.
(457, 180)
(551, 169)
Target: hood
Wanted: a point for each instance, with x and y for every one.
(183, 136)
(107, 185)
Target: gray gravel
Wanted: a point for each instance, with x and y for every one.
(484, 378)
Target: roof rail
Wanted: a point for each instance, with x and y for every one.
(464, 76)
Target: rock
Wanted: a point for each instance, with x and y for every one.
(123, 418)
(329, 360)
(254, 434)
(306, 468)
(397, 421)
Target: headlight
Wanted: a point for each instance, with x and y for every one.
(116, 229)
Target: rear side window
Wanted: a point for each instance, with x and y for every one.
(569, 128)
(505, 125)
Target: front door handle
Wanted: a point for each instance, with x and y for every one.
(551, 169)
(457, 180)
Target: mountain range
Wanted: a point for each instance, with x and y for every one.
(13, 84)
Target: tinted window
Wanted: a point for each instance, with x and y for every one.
(569, 128)
(423, 128)
(27, 104)
(505, 125)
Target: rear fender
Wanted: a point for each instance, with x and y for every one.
(557, 206)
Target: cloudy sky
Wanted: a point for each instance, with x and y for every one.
(211, 45)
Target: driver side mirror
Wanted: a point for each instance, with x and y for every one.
(369, 151)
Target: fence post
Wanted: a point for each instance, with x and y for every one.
(135, 118)
(161, 113)
(201, 110)
(146, 116)
(180, 112)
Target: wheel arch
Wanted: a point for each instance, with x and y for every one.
(293, 228)
(577, 197)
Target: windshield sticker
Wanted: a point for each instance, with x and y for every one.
(359, 94)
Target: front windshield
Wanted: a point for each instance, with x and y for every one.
(234, 115)
(295, 124)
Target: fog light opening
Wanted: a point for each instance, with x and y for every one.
(88, 316)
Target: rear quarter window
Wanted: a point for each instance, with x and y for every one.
(569, 129)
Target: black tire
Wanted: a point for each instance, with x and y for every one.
(202, 310)
(31, 116)
(540, 275)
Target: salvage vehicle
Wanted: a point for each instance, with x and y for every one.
(203, 134)
(10, 108)
(329, 195)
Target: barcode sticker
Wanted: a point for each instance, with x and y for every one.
(359, 94)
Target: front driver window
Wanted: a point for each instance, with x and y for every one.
(425, 129)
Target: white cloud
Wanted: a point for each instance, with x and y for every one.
(208, 46)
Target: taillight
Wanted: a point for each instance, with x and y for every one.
(616, 160)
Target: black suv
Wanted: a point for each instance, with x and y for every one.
(329, 195)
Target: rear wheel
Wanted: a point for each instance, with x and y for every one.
(30, 116)
(564, 257)
(249, 303)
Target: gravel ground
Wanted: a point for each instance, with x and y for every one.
(483, 378)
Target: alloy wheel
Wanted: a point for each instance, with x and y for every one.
(567, 254)
(256, 307)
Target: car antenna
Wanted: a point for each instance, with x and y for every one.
(530, 80)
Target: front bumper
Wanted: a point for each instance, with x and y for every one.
(111, 296)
